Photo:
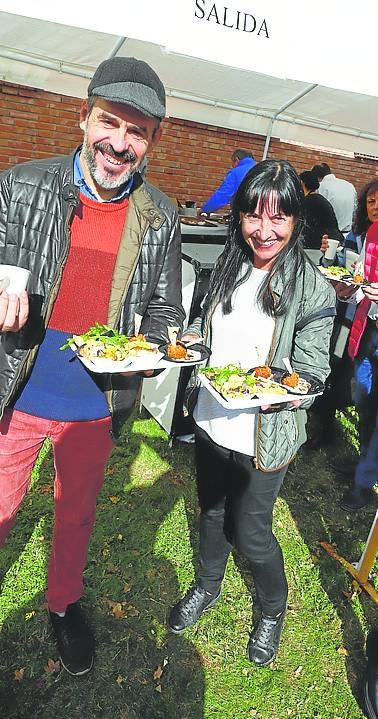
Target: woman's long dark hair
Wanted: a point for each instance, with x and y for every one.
(267, 180)
(361, 222)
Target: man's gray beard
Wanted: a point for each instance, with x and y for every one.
(89, 155)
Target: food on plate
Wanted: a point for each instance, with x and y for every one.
(295, 383)
(341, 274)
(177, 351)
(358, 279)
(290, 380)
(334, 271)
(104, 342)
(263, 371)
(233, 382)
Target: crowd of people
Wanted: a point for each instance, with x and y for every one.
(265, 295)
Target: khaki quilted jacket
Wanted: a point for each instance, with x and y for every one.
(302, 334)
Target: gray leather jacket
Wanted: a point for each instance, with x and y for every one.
(302, 334)
(37, 202)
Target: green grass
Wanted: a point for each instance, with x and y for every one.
(142, 557)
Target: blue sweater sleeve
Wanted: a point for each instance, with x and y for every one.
(224, 193)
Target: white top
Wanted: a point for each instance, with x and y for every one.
(343, 198)
(243, 337)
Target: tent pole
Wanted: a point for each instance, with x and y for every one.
(116, 47)
(284, 107)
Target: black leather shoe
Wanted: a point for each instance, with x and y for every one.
(186, 612)
(356, 498)
(264, 640)
(74, 639)
(371, 682)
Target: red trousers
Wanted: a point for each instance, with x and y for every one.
(81, 451)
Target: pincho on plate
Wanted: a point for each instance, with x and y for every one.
(236, 387)
(341, 274)
(180, 353)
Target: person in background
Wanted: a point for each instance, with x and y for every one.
(242, 162)
(266, 301)
(338, 389)
(102, 246)
(363, 350)
(320, 218)
(340, 193)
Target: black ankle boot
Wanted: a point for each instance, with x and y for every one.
(186, 612)
(265, 638)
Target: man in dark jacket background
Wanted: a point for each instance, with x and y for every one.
(102, 246)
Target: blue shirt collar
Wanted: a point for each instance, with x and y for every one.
(80, 181)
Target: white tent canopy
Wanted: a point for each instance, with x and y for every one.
(210, 66)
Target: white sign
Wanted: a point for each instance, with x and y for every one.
(329, 43)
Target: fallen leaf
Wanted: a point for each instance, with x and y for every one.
(117, 609)
(46, 489)
(114, 500)
(29, 615)
(120, 536)
(298, 671)
(19, 675)
(158, 688)
(127, 587)
(120, 680)
(52, 666)
(343, 652)
(158, 672)
(165, 662)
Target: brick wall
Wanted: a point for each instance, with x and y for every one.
(189, 162)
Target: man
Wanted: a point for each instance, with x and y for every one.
(242, 161)
(340, 193)
(102, 246)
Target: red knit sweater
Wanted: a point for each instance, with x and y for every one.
(59, 386)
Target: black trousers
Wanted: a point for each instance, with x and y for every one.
(236, 502)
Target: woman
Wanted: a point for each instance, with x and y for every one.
(366, 213)
(363, 350)
(338, 392)
(320, 218)
(266, 301)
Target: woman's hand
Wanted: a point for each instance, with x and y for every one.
(189, 337)
(284, 405)
(324, 243)
(14, 311)
(371, 292)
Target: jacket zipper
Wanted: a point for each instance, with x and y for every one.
(117, 320)
(258, 422)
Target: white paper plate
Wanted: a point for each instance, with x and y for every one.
(100, 365)
(245, 402)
